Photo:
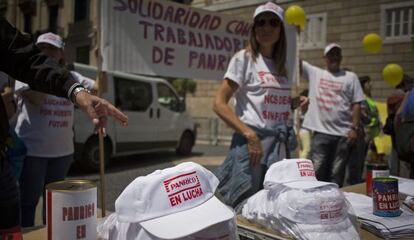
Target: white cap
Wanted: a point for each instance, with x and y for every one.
(321, 214)
(269, 7)
(174, 202)
(51, 39)
(329, 48)
(294, 173)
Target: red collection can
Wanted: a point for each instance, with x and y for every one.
(71, 210)
(375, 170)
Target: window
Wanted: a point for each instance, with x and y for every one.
(53, 18)
(81, 10)
(132, 95)
(314, 34)
(82, 54)
(397, 21)
(167, 97)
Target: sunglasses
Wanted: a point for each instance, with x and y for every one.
(274, 22)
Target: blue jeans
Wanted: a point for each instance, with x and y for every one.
(330, 155)
(36, 174)
(356, 161)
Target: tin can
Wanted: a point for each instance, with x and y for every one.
(71, 210)
(385, 197)
(375, 170)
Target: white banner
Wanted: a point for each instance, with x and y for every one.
(168, 39)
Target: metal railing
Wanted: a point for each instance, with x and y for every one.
(213, 131)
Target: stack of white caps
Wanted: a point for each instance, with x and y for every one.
(303, 205)
(174, 202)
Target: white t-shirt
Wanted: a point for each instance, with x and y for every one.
(46, 129)
(263, 97)
(331, 97)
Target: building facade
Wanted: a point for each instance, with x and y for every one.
(74, 20)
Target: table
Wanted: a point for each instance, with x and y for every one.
(246, 229)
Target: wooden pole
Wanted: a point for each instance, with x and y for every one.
(297, 85)
(100, 88)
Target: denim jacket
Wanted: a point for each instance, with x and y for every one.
(235, 173)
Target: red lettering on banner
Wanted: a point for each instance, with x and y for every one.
(165, 55)
(207, 61)
(158, 29)
(189, 38)
(174, 14)
(238, 28)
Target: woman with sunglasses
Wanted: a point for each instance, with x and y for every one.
(257, 78)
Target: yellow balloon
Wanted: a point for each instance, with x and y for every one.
(393, 74)
(295, 15)
(372, 43)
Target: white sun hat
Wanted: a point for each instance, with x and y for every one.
(174, 202)
(51, 39)
(269, 7)
(293, 173)
(319, 214)
(330, 46)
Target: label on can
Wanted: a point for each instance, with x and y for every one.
(71, 210)
(373, 171)
(385, 197)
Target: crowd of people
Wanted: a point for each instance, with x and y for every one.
(339, 124)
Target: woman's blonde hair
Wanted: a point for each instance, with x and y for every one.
(279, 49)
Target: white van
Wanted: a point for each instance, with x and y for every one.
(157, 119)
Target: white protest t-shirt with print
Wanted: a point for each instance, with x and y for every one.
(46, 129)
(330, 100)
(263, 97)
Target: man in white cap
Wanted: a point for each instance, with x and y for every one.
(333, 114)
